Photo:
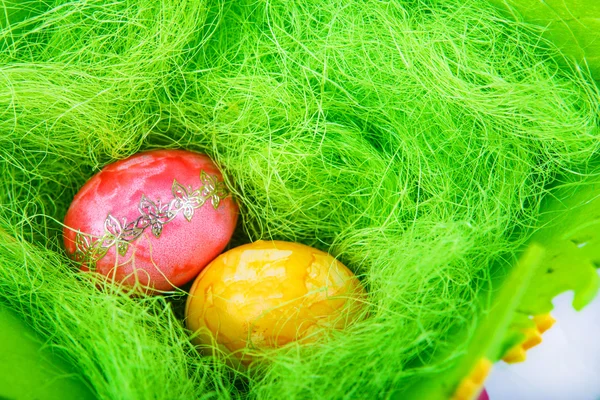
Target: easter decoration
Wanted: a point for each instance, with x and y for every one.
(155, 219)
(267, 294)
(441, 157)
(562, 255)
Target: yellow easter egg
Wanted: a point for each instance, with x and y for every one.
(269, 293)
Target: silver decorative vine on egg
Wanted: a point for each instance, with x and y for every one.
(154, 215)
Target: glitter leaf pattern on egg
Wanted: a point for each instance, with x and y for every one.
(154, 215)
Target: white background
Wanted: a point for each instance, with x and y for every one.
(565, 366)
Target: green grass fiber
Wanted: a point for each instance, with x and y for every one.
(414, 140)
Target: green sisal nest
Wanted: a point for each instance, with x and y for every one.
(413, 140)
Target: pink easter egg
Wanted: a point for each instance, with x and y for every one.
(154, 219)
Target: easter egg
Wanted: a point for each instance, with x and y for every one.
(266, 294)
(483, 395)
(154, 219)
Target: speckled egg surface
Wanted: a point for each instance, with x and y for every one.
(156, 219)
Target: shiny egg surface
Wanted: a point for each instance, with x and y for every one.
(269, 293)
(154, 219)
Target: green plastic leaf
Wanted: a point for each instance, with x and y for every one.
(29, 370)
(571, 234)
(573, 25)
(490, 338)
(563, 255)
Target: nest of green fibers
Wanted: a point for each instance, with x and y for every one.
(411, 139)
